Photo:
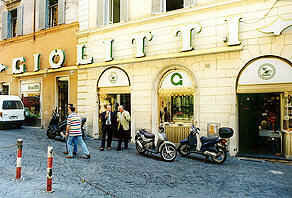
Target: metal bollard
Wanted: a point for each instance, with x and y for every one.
(49, 169)
(19, 156)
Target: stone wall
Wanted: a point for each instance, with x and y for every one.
(215, 74)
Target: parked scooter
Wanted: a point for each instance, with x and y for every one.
(57, 128)
(213, 147)
(145, 142)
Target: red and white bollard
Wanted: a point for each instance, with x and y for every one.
(49, 169)
(19, 156)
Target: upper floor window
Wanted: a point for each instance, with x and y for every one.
(114, 11)
(174, 5)
(159, 6)
(51, 13)
(12, 23)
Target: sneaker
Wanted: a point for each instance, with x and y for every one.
(66, 153)
(85, 156)
(69, 157)
(109, 148)
(101, 149)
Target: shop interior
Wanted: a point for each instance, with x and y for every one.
(4, 89)
(260, 129)
(63, 98)
(114, 100)
(176, 109)
(32, 109)
(31, 98)
(176, 114)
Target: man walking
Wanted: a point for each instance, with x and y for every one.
(107, 119)
(73, 130)
(123, 118)
(66, 138)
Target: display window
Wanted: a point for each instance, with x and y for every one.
(176, 104)
(176, 98)
(177, 108)
(287, 111)
(31, 98)
(4, 89)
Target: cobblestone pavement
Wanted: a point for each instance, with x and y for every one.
(125, 174)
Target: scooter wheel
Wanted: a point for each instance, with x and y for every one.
(168, 152)
(51, 134)
(221, 156)
(140, 149)
(184, 150)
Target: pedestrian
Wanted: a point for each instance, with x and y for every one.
(107, 118)
(74, 134)
(123, 119)
(66, 138)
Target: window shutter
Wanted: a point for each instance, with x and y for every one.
(43, 14)
(124, 10)
(5, 22)
(189, 3)
(158, 6)
(106, 11)
(19, 29)
(61, 11)
(100, 12)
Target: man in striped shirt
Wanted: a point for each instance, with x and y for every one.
(73, 130)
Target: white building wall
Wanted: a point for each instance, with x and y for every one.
(215, 74)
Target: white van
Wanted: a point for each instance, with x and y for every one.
(11, 110)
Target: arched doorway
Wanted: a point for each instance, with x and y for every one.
(176, 96)
(264, 91)
(113, 88)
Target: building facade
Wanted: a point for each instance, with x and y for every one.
(38, 56)
(220, 63)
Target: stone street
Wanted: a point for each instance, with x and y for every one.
(126, 174)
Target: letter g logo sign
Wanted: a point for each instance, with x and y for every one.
(176, 79)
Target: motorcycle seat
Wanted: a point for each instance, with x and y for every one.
(184, 141)
(148, 135)
(208, 139)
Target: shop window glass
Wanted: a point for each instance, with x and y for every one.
(32, 109)
(53, 13)
(11, 104)
(177, 108)
(4, 90)
(287, 121)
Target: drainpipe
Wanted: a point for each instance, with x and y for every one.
(34, 10)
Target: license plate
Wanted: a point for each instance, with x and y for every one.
(13, 117)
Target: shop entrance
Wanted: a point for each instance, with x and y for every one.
(114, 100)
(113, 88)
(63, 90)
(31, 98)
(260, 124)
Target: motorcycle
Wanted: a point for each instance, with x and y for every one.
(145, 142)
(213, 147)
(58, 129)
